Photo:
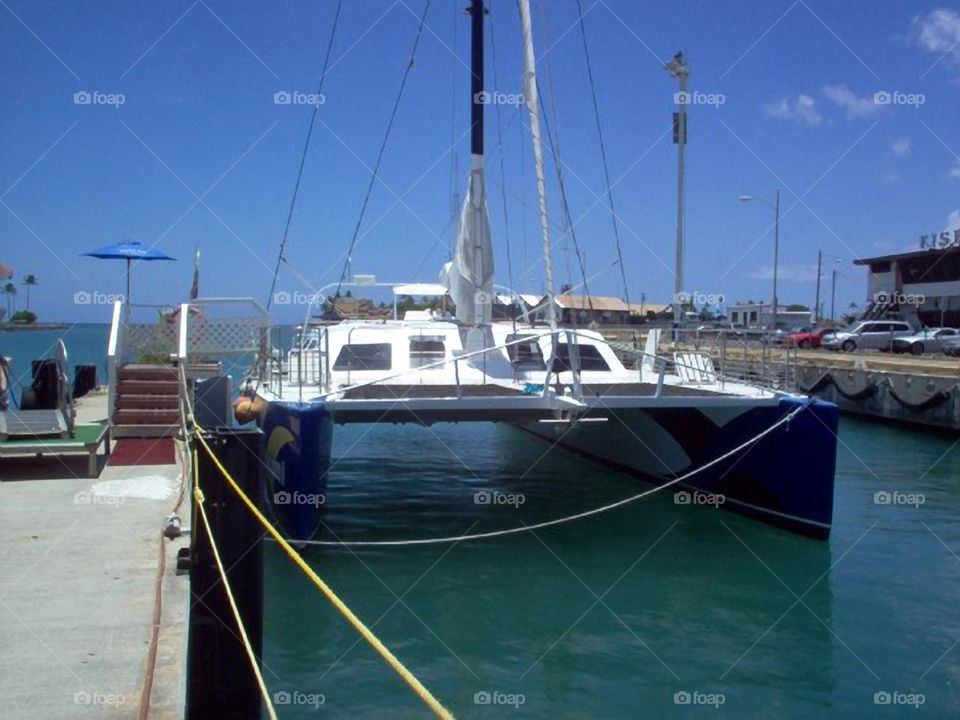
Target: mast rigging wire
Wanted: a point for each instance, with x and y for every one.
(568, 219)
(383, 147)
(603, 152)
(303, 155)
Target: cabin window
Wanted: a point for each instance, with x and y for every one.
(364, 356)
(426, 350)
(525, 355)
(590, 358)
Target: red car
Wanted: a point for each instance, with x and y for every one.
(808, 339)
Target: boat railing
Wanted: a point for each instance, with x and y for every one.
(752, 357)
(116, 349)
(731, 358)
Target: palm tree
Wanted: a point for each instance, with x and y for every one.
(29, 280)
(10, 290)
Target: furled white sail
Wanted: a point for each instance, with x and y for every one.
(470, 276)
(530, 97)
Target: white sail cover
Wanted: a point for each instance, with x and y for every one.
(469, 276)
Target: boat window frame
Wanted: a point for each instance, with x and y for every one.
(349, 366)
(588, 358)
(419, 358)
(534, 361)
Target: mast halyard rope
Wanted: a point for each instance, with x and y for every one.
(503, 176)
(383, 147)
(303, 156)
(603, 153)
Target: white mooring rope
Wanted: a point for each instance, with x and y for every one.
(559, 521)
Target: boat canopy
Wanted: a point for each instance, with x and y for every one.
(423, 289)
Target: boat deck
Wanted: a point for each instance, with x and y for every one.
(647, 390)
(389, 392)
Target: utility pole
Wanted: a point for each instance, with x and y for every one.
(833, 296)
(678, 69)
(816, 305)
(776, 257)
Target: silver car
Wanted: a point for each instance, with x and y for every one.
(927, 340)
(868, 334)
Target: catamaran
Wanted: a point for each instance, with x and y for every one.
(761, 452)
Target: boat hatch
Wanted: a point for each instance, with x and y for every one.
(590, 358)
(364, 356)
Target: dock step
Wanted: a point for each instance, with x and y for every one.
(148, 372)
(131, 401)
(146, 416)
(138, 386)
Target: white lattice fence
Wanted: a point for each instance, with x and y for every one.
(224, 336)
(151, 341)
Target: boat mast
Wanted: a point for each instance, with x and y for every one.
(530, 97)
(477, 12)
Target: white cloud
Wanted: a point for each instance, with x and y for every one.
(789, 273)
(953, 221)
(802, 109)
(901, 146)
(938, 32)
(844, 97)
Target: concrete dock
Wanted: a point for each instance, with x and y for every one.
(79, 561)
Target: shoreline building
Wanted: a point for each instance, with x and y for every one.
(920, 286)
(760, 315)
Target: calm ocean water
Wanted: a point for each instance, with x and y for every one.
(86, 345)
(615, 615)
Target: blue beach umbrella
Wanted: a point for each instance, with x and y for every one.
(128, 250)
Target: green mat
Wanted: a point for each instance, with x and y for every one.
(85, 434)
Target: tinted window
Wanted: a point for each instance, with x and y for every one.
(426, 351)
(590, 358)
(525, 354)
(364, 356)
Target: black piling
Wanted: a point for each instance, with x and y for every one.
(220, 680)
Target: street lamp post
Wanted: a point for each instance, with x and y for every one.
(776, 244)
(679, 69)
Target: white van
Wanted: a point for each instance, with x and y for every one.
(876, 334)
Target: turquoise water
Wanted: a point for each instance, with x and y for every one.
(86, 345)
(691, 599)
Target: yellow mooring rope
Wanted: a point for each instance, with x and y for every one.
(198, 494)
(408, 677)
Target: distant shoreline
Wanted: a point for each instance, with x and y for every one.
(33, 326)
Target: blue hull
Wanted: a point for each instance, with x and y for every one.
(785, 479)
(298, 441)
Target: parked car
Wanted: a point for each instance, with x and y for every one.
(867, 334)
(927, 340)
(808, 338)
(950, 344)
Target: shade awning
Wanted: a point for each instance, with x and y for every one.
(428, 289)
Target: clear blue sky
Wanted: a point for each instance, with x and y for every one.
(199, 119)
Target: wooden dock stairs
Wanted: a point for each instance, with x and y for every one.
(147, 401)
